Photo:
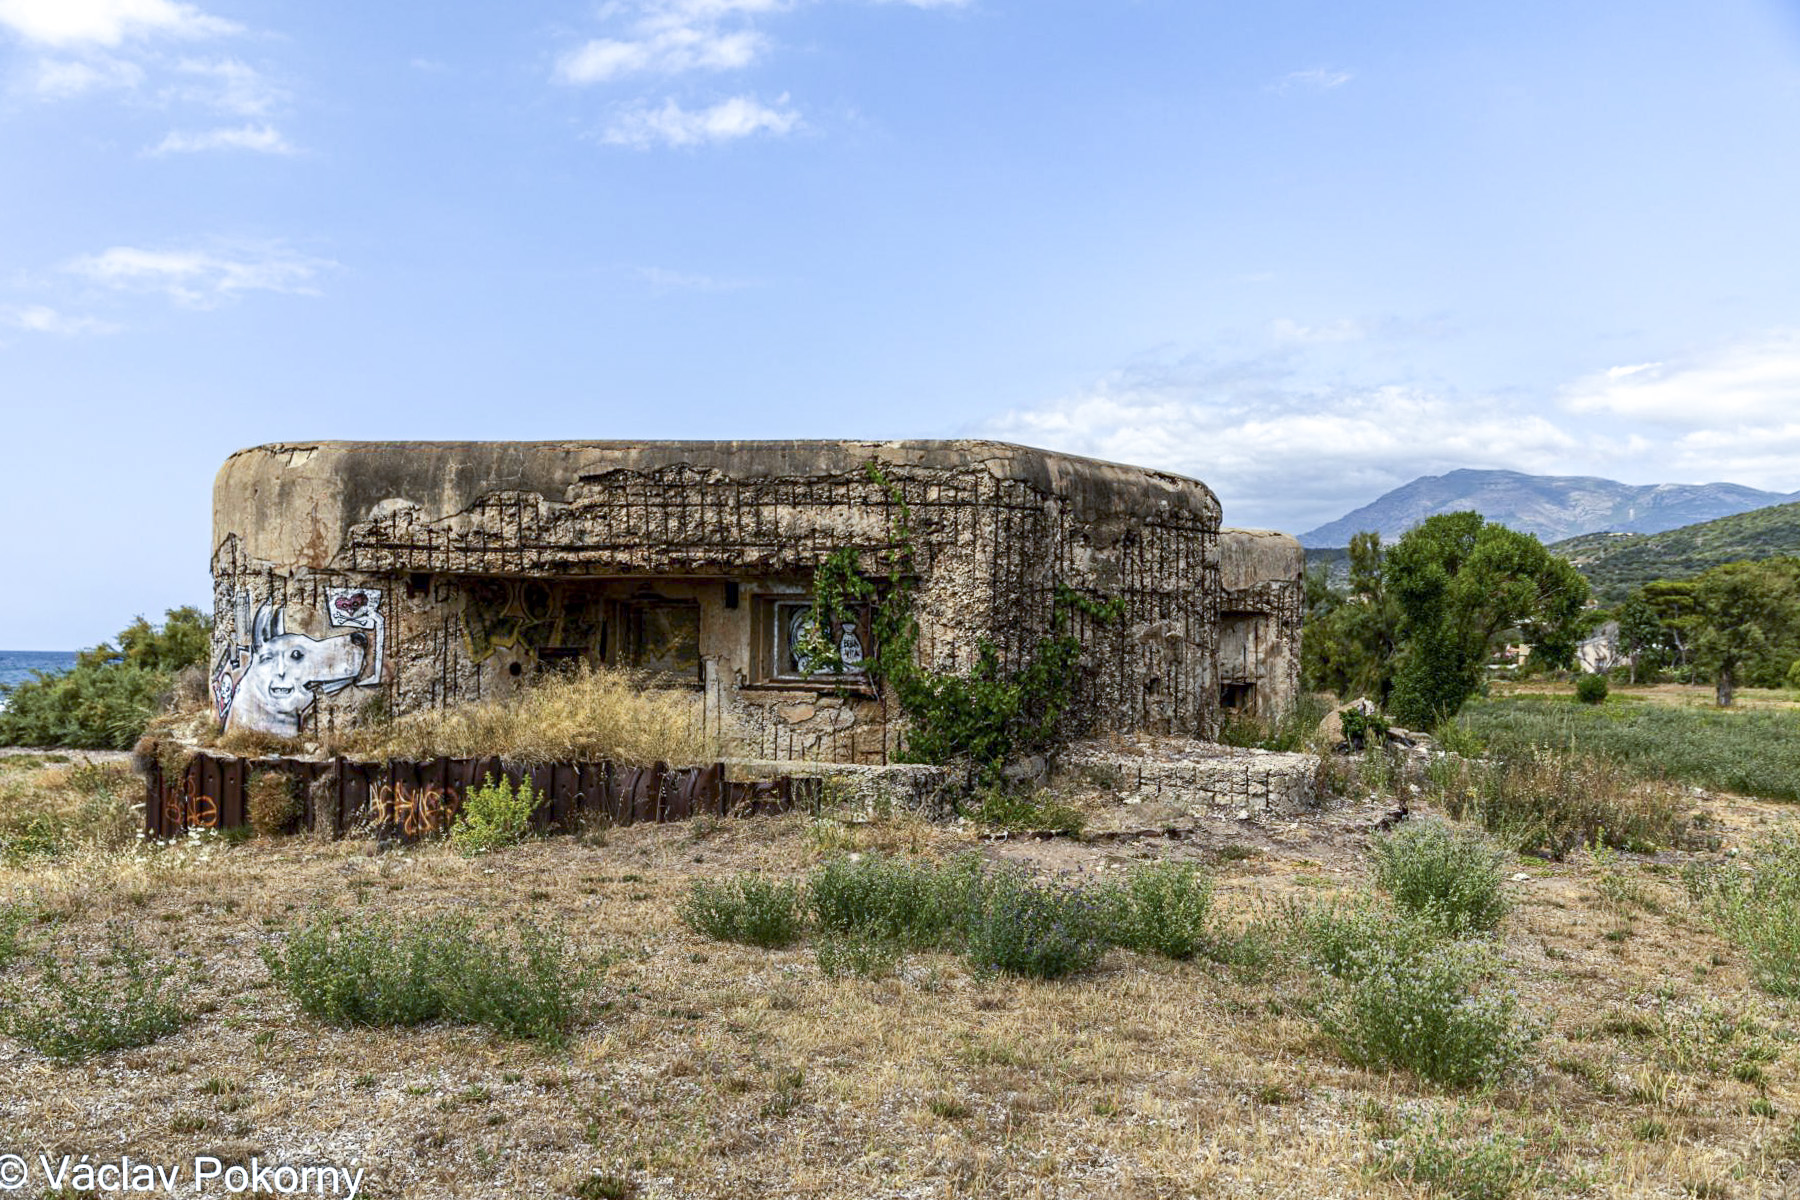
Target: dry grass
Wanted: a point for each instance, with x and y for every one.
(717, 1070)
(582, 715)
(55, 810)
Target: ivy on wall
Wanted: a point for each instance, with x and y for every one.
(988, 717)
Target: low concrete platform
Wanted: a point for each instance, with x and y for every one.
(1203, 777)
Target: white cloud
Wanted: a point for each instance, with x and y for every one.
(1280, 452)
(672, 125)
(1754, 382)
(59, 79)
(262, 139)
(107, 22)
(1342, 330)
(1318, 79)
(670, 37)
(38, 318)
(226, 85)
(665, 53)
(202, 278)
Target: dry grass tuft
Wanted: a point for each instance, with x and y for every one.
(588, 714)
(274, 803)
(51, 812)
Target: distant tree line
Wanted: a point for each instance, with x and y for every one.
(1419, 622)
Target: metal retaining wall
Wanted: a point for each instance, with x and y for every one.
(409, 800)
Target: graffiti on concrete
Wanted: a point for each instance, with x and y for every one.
(271, 684)
(360, 608)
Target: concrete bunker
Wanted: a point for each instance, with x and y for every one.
(360, 577)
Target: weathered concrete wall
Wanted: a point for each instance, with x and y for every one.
(1262, 577)
(464, 567)
(1208, 780)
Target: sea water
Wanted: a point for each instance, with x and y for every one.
(20, 666)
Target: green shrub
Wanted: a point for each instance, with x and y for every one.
(494, 815)
(1452, 877)
(1342, 937)
(1027, 810)
(1757, 906)
(1036, 929)
(526, 984)
(105, 701)
(1162, 908)
(1489, 1169)
(1292, 730)
(1361, 728)
(913, 903)
(364, 969)
(1591, 689)
(121, 1000)
(752, 909)
(864, 953)
(1423, 1010)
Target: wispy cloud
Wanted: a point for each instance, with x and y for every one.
(107, 22)
(666, 52)
(1755, 380)
(1344, 329)
(38, 318)
(672, 125)
(668, 37)
(202, 278)
(60, 79)
(1730, 411)
(224, 85)
(261, 139)
(1317, 79)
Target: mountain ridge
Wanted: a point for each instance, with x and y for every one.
(1554, 507)
(1616, 564)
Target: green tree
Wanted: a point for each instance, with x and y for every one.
(1641, 634)
(1678, 612)
(1460, 583)
(1747, 618)
(1349, 637)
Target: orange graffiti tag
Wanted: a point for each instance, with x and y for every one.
(416, 811)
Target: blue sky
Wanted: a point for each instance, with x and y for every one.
(1303, 251)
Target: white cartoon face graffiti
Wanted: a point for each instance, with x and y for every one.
(287, 673)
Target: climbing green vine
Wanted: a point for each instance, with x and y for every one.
(989, 716)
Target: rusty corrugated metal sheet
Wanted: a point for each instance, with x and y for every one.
(408, 800)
